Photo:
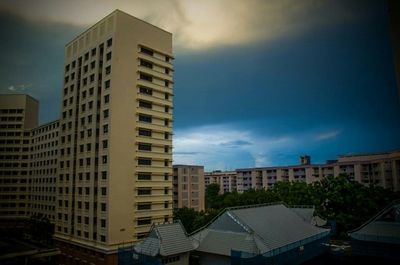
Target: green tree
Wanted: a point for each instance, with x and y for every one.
(212, 198)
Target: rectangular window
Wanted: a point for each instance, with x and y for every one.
(146, 64)
(145, 118)
(144, 161)
(145, 90)
(144, 132)
(105, 144)
(144, 191)
(104, 191)
(144, 221)
(108, 70)
(103, 223)
(144, 147)
(104, 159)
(144, 206)
(104, 175)
(144, 176)
(146, 77)
(107, 84)
(105, 113)
(109, 42)
(108, 56)
(145, 104)
(106, 99)
(146, 51)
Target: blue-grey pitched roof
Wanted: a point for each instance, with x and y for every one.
(383, 227)
(256, 230)
(307, 213)
(165, 240)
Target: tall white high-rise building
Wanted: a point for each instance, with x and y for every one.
(115, 145)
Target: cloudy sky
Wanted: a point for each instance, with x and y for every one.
(257, 82)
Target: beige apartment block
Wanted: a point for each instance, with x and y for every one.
(225, 179)
(188, 186)
(18, 116)
(43, 170)
(115, 156)
(382, 169)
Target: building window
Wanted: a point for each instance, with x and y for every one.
(144, 176)
(103, 191)
(146, 64)
(104, 159)
(146, 77)
(144, 206)
(107, 84)
(144, 221)
(144, 147)
(104, 175)
(105, 144)
(144, 132)
(146, 51)
(166, 190)
(108, 70)
(105, 113)
(145, 90)
(106, 99)
(145, 118)
(108, 56)
(166, 176)
(166, 204)
(144, 161)
(145, 104)
(166, 135)
(144, 191)
(109, 42)
(105, 128)
(103, 223)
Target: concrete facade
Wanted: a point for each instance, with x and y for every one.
(18, 116)
(43, 170)
(225, 179)
(115, 145)
(188, 187)
(382, 169)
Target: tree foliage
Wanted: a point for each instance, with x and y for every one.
(338, 199)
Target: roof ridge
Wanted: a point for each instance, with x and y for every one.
(373, 218)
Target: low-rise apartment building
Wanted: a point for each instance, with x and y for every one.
(225, 179)
(188, 187)
(382, 169)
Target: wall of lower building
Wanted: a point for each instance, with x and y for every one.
(212, 259)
